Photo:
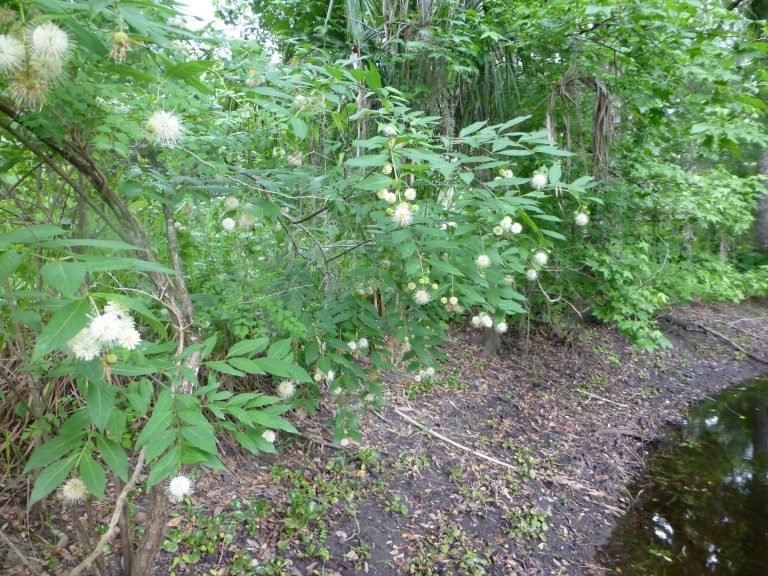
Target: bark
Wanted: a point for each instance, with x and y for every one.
(761, 218)
(149, 546)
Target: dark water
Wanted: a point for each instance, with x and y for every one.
(703, 508)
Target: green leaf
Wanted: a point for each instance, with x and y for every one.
(369, 161)
(224, 368)
(248, 347)
(31, 235)
(111, 263)
(187, 70)
(87, 39)
(374, 182)
(63, 326)
(139, 394)
(279, 349)
(300, 128)
(200, 437)
(66, 277)
(159, 443)
(89, 243)
(271, 421)
(92, 474)
(274, 366)
(161, 418)
(100, 398)
(9, 262)
(114, 456)
(51, 478)
(247, 365)
(70, 438)
(166, 466)
(472, 128)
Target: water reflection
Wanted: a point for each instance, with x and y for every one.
(703, 506)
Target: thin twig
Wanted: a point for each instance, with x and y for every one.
(596, 397)
(428, 430)
(110, 533)
(16, 551)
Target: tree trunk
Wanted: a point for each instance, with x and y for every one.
(761, 218)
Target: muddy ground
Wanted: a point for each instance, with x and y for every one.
(517, 463)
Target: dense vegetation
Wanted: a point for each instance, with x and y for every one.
(200, 234)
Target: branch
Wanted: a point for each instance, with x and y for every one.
(110, 533)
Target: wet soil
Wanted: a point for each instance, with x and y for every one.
(515, 463)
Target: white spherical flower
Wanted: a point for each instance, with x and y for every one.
(421, 297)
(286, 388)
(507, 174)
(128, 338)
(506, 223)
(430, 372)
(476, 321)
(344, 442)
(228, 224)
(386, 169)
(516, 228)
(390, 197)
(498, 230)
(246, 221)
(269, 436)
(483, 261)
(410, 194)
(295, 159)
(231, 203)
(84, 346)
(47, 70)
(48, 41)
(417, 378)
(179, 487)
(539, 181)
(486, 321)
(11, 53)
(501, 327)
(541, 258)
(362, 343)
(453, 301)
(402, 216)
(443, 300)
(73, 491)
(509, 279)
(300, 101)
(389, 131)
(330, 376)
(106, 328)
(581, 219)
(531, 274)
(352, 345)
(164, 128)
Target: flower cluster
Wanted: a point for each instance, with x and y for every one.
(269, 435)
(73, 491)
(358, 345)
(112, 328)
(164, 128)
(286, 388)
(427, 374)
(403, 213)
(452, 305)
(507, 225)
(581, 219)
(34, 66)
(482, 321)
(387, 195)
(179, 487)
(506, 173)
(483, 261)
(539, 181)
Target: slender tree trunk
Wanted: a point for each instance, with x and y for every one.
(761, 218)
